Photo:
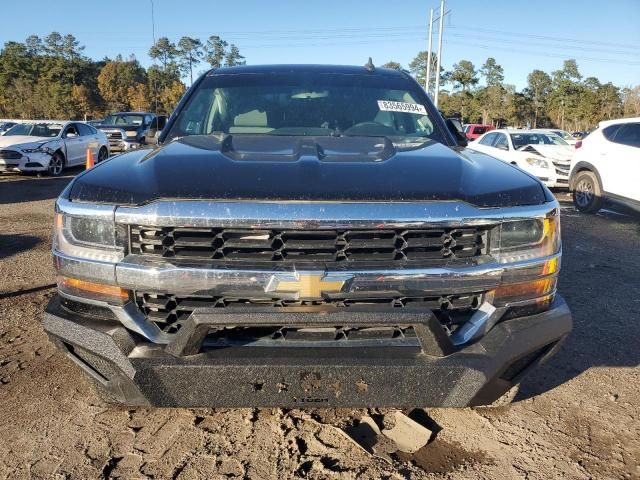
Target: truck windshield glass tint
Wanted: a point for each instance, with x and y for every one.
(124, 120)
(305, 104)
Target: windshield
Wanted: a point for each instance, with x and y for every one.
(522, 139)
(124, 120)
(47, 130)
(564, 135)
(307, 104)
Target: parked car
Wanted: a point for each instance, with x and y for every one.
(566, 136)
(50, 146)
(131, 130)
(547, 156)
(307, 236)
(606, 166)
(5, 126)
(578, 135)
(474, 130)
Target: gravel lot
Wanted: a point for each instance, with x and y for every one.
(578, 417)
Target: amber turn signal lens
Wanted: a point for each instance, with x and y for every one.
(550, 266)
(524, 291)
(59, 222)
(93, 289)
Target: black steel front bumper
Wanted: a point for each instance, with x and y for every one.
(182, 374)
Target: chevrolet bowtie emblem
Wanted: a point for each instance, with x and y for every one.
(307, 286)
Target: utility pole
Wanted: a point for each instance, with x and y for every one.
(427, 80)
(439, 59)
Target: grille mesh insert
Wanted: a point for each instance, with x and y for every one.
(169, 311)
(388, 245)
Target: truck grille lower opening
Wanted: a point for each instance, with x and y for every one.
(266, 245)
(316, 337)
(168, 311)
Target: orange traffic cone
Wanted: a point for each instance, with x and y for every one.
(90, 163)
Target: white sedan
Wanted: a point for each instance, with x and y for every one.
(50, 146)
(545, 156)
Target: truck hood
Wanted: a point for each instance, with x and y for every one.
(275, 168)
(23, 141)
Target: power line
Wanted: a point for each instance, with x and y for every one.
(545, 45)
(548, 54)
(399, 30)
(548, 37)
(471, 46)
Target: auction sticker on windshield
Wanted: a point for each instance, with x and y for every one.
(389, 106)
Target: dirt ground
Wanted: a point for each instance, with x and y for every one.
(578, 417)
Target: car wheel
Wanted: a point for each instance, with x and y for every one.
(56, 165)
(103, 154)
(587, 192)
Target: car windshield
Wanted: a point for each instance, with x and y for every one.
(522, 139)
(314, 104)
(564, 135)
(47, 130)
(124, 120)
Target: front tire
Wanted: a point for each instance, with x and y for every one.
(103, 154)
(587, 192)
(56, 165)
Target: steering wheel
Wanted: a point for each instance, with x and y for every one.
(370, 128)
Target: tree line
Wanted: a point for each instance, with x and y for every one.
(562, 98)
(50, 77)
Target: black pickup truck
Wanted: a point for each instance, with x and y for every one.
(131, 130)
(306, 236)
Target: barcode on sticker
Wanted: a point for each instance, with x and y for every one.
(389, 106)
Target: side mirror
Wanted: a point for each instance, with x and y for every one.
(502, 146)
(461, 140)
(70, 135)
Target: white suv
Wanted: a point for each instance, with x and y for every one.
(606, 166)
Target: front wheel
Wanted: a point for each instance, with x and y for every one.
(56, 165)
(587, 193)
(103, 154)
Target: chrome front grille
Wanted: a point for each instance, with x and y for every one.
(296, 246)
(115, 135)
(562, 168)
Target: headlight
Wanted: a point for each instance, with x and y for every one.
(41, 149)
(87, 233)
(537, 162)
(528, 239)
(131, 133)
(525, 285)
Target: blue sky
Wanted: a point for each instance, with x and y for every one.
(603, 35)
